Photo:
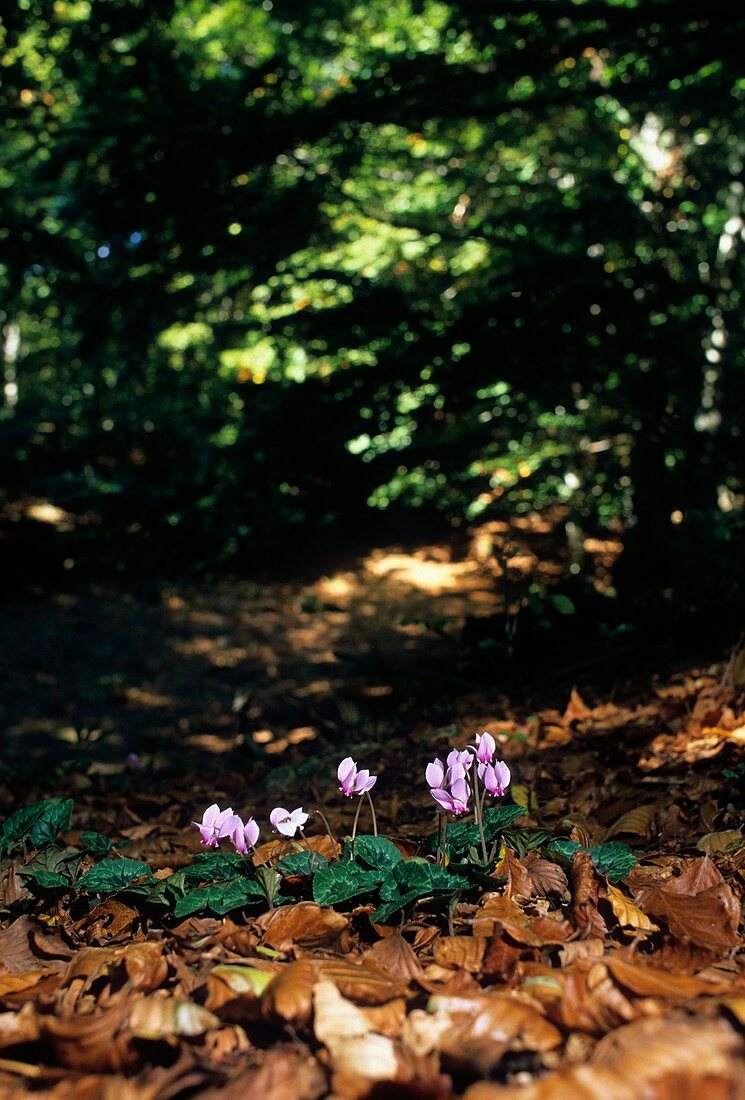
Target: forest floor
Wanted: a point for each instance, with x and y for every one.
(599, 954)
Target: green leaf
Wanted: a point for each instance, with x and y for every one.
(612, 859)
(377, 852)
(96, 842)
(217, 867)
(111, 875)
(413, 879)
(341, 881)
(36, 825)
(49, 880)
(61, 862)
(526, 840)
(300, 863)
(464, 835)
(220, 898)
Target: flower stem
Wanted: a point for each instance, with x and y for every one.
(354, 823)
(332, 838)
(478, 810)
(372, 812)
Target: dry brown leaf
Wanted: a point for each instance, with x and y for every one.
(648, 981)
(94, 1043)
(500, 912)
(709, 918)
(626, 913)
(142, 963)
(519, 882)
(158, 1017)
(285, 1073)
(461, 952)
(576, 709)
(19, 1027)
(547, 877)
(289, 997)
(25, 946)
(636, 822)
(278, 849)
(395, 956)
(585, 895)
(235, 990)
(365, 983)
(305, 925)
(477, 1030)
(716, 843)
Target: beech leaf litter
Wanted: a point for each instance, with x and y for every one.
(549, 908)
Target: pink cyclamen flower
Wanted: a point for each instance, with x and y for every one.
(287, 823)
(486, 746)
(134, 762)
(455, 800)
(460, 756)
(245, 836)
(449, 787)
(496, 777)
(216, 823)
(352, 781)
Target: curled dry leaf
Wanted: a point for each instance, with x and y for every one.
(289, 997)
(477, 1030)
(585, 895)
(501, 913)
(365, 983)
(19, 1027)
(305, 925)
(278, 849)
(547, 877)
(648, 981)
(142, 963)
(626, 913)
(636, 822)
(461, 952)
(235, 991)
(395, 956)
(96, 1043)
(158, 1017)
(709, 918)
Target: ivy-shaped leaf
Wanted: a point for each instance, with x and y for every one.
(300, 863)
(342, 881)
(111, 875)
(526, 840)
(35, 825)
(376, 851)
(221, 897)
(53, 861)
(464, 835)
(612, 859)
(217, 867)
(96, 842)
(413, 879)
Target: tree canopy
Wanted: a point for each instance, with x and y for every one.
(267, 264)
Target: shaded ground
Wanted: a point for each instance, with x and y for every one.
(559, 976)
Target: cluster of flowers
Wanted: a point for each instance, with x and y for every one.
(450, 783)
(217, 824)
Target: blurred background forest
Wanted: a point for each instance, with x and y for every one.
(275, 272)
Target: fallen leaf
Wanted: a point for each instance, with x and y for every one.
(626, 913)
(500, 912)
(636, 822)
(289, 997)
(461, 952)
(305, 925)
(158, 1017)
(709, 918)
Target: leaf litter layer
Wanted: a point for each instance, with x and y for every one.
(600, 954)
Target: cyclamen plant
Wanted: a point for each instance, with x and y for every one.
(470, 773)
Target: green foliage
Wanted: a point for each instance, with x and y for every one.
(300, 863)
(112, 875)
(612, 859)
(221, 897)
(464, 835)
(377, 852)
(342, 881)
(96, 842)
(35, 825)
(411, 880)
(52, 867)
(477, 257)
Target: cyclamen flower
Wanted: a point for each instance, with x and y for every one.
(287, 823)
(460, 756)
(352, 781)
(216, 823)
(495, 777)
(486, 746)
(449, 788)
(245, 836)
(134, 762)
